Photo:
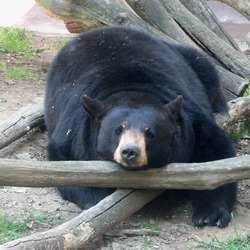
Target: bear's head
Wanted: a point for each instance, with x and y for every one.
(136, 137)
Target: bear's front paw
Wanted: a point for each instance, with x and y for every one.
(211, 217)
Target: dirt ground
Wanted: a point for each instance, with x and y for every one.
(170, 218)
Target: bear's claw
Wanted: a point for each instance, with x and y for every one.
(211, 217)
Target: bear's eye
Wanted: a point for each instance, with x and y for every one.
(119, 130)
(149, 134)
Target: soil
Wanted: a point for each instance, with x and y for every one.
(171, 220)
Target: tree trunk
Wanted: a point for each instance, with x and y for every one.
(242, 6)
(239, 110)
(21, 123)
(120, 205)
(207, 175)
(79, 231)
(224, 53)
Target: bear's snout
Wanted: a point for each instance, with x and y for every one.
(131, 150)
(129, 153)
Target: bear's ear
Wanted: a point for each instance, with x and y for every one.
(93, 107)
(174, 107)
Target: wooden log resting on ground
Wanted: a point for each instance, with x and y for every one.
(91, 223)
(239, 110)
(197, 176)
(21, 123)
(226, 55)
(202, 11)
(115, 208)
(96, 13)
(159, 17)
(242, 6)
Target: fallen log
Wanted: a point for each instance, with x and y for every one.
(96, 13)
(248, 39)
(201, 10)
(117, 207)
(79, 231)
(196, 176)
(224, 53)
(21, 123)
(242, 6)
(239, 110)
(154, 13)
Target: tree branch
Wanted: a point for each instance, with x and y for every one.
(21, 123)
(93, 222)
(239, 110)
(242, 6)
(207, 175)
(115, 208)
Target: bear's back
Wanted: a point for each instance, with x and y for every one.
(104, 61)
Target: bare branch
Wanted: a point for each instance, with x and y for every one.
(207, 175)
(21, 123)
(82, 229)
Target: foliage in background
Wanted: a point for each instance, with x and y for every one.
(247, 92)
(14, 39)
(238, 133)
(15, 226)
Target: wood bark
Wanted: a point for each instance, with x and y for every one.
(96, 13)
(248, 39)
(21, 123)
(225, 54)
(207, 175)
(239, 110)
(79, 231)
(117, 207)
(120, 205)
(155, 14)
(202, 11)
(242, 6)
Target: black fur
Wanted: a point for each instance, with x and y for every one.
(136, 77)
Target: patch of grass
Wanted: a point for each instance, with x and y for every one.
(15, 39)
(154, 226)
(247, 91)
(56, 44)
(60, 42)
(235, 243)
(147, 240)
(2, 66)
(238, 242)
(15, 226)
(18, 74)
(238, 134)
(10, 228)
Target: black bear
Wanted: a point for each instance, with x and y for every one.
(123, 95)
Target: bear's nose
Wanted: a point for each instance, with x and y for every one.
(129, 153)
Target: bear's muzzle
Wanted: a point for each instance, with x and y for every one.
(131, 150)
